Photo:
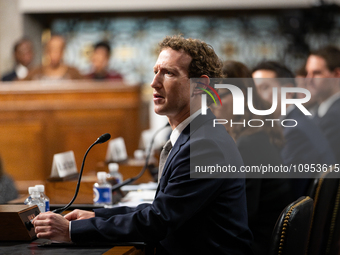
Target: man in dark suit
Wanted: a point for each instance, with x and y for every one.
(23, 54)
(188, 215)
(323, 73)
(305, 143)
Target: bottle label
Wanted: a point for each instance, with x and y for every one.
(102, 195)
(47, 206)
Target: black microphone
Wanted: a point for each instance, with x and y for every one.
(130, 180)
(102, 139)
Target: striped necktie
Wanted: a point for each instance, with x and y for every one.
(162, 159)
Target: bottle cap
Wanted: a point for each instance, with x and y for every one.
(139, 154)
(113, 167)
(41, 188)
(101, 176)
(35, 192)
(30, 190)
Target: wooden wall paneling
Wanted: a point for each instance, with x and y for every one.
(39, 119)
(21, 148)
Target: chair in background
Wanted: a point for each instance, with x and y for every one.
(290, 234)
(325, 228)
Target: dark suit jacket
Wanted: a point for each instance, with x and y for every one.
(188, 215)
(305, 144)
(10, 76)
(330, 126)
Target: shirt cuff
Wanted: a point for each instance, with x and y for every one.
(69, 229)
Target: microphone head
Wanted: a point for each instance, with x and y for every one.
(103, 138)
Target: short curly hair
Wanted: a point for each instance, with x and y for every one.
(204, 59)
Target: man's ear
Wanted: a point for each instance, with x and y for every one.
(337, 72)
(203, 82)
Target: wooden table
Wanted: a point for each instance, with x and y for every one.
(61, 192)
(28, 248)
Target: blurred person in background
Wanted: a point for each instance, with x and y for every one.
(300, 80)
(23, 55)
(323, 73)
(100, 62)
(7, 188)
(266, 198)
(54, 68)
(305, 143)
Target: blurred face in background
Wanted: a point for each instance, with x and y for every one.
(55, 51)
(301, 82)
(318, 82)
(265, 81)
(224, 111)
(24, 53)
(264, 85)
(100, 59)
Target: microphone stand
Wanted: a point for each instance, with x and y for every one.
(101, 139)
(130, 180)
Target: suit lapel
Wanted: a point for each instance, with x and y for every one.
(184, 138)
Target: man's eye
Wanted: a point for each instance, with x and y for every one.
(168, 72)
(155, 72)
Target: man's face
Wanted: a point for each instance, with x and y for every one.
(171, 84)
(224, 111)
(24, 53)
(55, 51)
(318, 73)
(265, 81)
(100, 59)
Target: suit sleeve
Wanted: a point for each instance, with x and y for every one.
(180, 199)
(107, 213)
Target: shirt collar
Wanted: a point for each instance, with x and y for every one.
(324, 106)
(21, 71)
(178, 130)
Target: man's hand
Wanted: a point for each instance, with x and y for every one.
(52, 226)
(79, 215)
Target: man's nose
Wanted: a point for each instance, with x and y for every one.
(156, 82)
(310, 75)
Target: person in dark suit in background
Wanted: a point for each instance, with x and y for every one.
(23, 54)
(100, 60)
(305, 143)
(266, 197)
(188, 215)
(323, 73)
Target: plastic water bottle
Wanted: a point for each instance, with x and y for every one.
(102, 194)
(41, 189)
(37, 200)
(29, 199)
(114, 177)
